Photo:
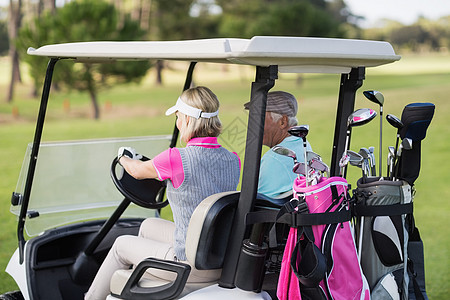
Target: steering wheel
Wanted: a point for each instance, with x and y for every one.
(145, 192)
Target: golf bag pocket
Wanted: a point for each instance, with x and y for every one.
(307, 261)
(387, 238)
(324, 258)
(288, 285)
(386, 289)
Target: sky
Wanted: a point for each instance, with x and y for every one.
(404, 11)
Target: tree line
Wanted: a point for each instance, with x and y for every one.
(37, 23)
(422, 36)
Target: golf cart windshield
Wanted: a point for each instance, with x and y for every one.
(72, 182)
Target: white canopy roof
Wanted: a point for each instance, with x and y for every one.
(291, 54)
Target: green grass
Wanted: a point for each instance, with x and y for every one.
(133, 110)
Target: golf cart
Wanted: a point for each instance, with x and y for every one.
(72, 228)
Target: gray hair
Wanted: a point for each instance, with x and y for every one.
(292, 121)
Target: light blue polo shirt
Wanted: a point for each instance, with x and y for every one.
(276, 176)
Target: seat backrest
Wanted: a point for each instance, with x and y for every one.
(209, 230)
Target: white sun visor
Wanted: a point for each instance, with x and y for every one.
(190, 110)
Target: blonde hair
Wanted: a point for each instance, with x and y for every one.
(202, 98)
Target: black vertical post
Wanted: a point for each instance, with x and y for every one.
(175, 133)
(264, 81)
(34, 155)
(350, 83)
(187, 85)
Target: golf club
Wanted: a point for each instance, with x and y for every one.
(378, 98)
(314, 169)
(355, 159)
(285, 151)
(405, 145)
(301, 131)
(312, 155)
(396, 123)
(365, 154)
(373, 170)
(390, 161)
(343, 162)
(357, 118)
(299, 168)
(319, 166)
(367, 171)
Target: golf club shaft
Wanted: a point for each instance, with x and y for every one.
(306, 161)
(396, 149)
(398, 154)
(345, 151)
(361, 228)
(397, 164)
(381, 140)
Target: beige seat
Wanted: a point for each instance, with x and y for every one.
(206, 243)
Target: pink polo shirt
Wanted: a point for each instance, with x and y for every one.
(168, 163)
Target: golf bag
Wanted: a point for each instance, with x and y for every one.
(391, 251)
(384, 215)
(320, 259)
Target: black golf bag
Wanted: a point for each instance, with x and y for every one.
(391, 251)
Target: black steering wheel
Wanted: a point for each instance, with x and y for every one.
(145, 192)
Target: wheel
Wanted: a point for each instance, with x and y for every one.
(15, 295)
(144, 192)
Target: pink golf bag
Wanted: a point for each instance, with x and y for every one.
(320, 258)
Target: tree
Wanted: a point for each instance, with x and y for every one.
(46, 4)
(173, 23)
(4, 41)
(443, 27)
(83, 21)
(15, 19)
(281, 17)
(409, 36)
(174, 20)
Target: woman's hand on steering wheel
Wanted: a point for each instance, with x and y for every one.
(145, 192)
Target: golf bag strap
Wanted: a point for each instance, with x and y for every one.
(383, 210)
(295, 213)
(334, 193)
(273, 215)
(417, 291)
(297, 219)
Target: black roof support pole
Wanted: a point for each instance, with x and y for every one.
(175, 133)
(350, 83)
(187, 85)
(264, 81)
(34, 155)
